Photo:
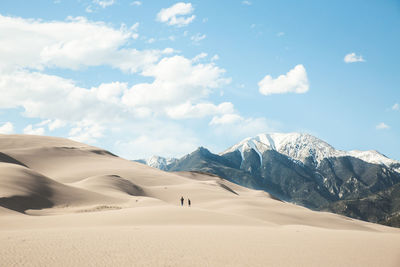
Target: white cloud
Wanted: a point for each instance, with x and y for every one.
(92, 111)
(215, 57)
(7, 128)
(86, 132)
(279, 34)
(56, 124)
(134, 27)
(104, 3)
(177, 15)
(136, 3)
(226, 119)
(200, 56)
(52, 124)
(247, 3)
(60, 103)
(382, 126)
(396, 106)
(187, 110)
(198, 37)
(110, 92)
(178, 87)
(166, 146)
(29, 130)
(157, 138)
(352, 57)
(70, 44)
(89, 9)
(235, 127)
(295, 81)
(176, 81)
(151, 40)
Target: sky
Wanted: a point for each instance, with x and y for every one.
(143, 78)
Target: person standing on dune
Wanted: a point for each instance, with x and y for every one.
(189, 202)
(182, 200)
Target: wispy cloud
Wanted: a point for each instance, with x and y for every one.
(279, 34)
(104, 3)
(396, 106)
(136, 3)
(177, 15)
(294, 81)
(382, 126)
(200, 56)
(352, 57)
(247, 3)
(215, 57)
(198, 37)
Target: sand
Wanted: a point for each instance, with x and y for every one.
(64, 203)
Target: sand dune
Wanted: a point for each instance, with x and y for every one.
(65, 203)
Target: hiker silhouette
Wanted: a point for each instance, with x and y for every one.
(189, 202)
(182, 200)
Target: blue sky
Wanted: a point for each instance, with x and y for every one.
(164, 77)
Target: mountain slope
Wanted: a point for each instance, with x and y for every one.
(299, 168)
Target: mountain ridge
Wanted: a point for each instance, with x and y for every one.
(302, 169)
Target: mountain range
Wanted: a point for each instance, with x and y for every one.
(305, 170)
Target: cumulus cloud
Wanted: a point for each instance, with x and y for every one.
(30, 130)
(226, 119)
(238, 127)
(396, 106)
(176, 81)
(70, 44)
(382, 126)
(178, 89)
(7, 128)
(187, 110)
(52, 97)
(86, 131)
(52, 124)
(294, 81)
(352, 57)
(60, 102)
(177, 15)
(247, 3)
(175, 86)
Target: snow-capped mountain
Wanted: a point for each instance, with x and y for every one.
(305, 148)
(303, 169)
(158, 162)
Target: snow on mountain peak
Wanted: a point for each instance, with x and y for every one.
(372, 156)
(302, 147)
(159, 162)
